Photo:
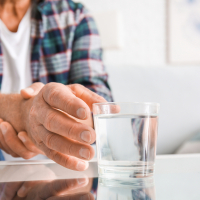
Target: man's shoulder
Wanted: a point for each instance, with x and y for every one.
(60, 6)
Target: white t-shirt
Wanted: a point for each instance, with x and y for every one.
(16, 56)
(16, 61)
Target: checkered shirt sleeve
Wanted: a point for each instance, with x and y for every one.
(86, 64)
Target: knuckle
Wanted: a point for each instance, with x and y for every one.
(69, 105)
(72, 130)
(70, 149)
(52, 96)
(77, 86)
(49, 139)
(52, 154)
(49, 119)
(66, 162)
(40, 144)
(51, 92)
(50, 85)
(39, 84)
(33, 110)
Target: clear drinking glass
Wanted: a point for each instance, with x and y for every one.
(126, 136)
(140, 189)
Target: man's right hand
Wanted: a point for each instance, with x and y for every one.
(58, 134)
(19, 144)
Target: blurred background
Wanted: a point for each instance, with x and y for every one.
(152, 54)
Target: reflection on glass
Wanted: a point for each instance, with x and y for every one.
(72, 189)
(145, 133)
(139, 189)
(83, 188)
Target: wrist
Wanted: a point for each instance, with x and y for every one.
(10, 110)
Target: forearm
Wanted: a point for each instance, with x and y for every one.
(11, 110)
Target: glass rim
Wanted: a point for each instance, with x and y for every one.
(116, 103)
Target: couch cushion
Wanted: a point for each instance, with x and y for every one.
(190, 146)
(177, 89)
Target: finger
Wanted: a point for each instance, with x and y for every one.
(1, 146)
(14, 142)
(61, 97)
(26, 187)
(65, 160)
(4, 145)
(62, 124)
(28, 143)
(65, 146)
(1, 120)
(32, 90)
(90, 98)
(60, 187)
(86, 95)
(10, 190)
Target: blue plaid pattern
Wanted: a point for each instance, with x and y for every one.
(65, 46)
(1, 156)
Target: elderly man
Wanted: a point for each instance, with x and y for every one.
(56, 43)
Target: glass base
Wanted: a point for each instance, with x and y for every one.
(130, 182)
(125, 172)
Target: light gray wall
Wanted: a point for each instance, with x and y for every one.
(144, 31)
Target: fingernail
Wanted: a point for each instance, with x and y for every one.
(85, 197)
(81, 181)
(21, 191)
(86, 136)
(29, 90)
(81, 113)
(82, 165)
(3, 128)
(84, 153)
(22, 138)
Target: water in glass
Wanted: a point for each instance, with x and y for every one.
(126, 144)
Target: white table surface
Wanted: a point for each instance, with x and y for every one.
(176, 176)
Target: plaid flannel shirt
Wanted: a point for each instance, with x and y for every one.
(65, 46)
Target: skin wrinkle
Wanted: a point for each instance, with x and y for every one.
(70, 132)
(50, 117)
(48, 140)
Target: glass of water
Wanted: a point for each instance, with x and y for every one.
(126, 136)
